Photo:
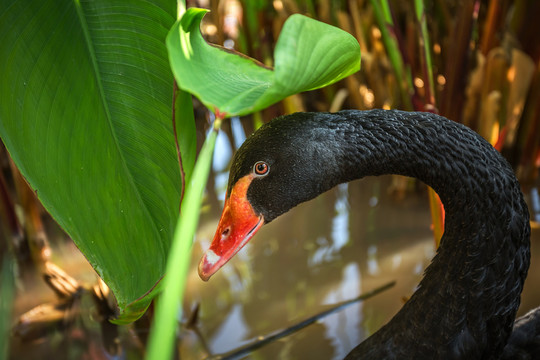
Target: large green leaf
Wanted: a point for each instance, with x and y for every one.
(309, 54)
(85, 112)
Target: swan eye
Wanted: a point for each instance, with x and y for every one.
(261, 168)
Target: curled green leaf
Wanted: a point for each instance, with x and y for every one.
(309, 54)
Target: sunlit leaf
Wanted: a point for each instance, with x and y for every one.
(86, 114)
(309, 54)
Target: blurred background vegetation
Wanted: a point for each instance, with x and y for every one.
(474, 61)
(484, 62)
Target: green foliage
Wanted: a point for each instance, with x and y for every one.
(231, 84)
(308, 55)
(85, 113)
(185, 132)
(162, 335)
(7, 293)
(381, 10)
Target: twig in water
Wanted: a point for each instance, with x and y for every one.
(244, 350)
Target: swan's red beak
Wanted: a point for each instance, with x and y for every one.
(237, 225)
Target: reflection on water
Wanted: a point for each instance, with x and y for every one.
(343, 329)
(340, 228)
(233, 330)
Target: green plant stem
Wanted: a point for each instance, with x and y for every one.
(180, 8)
(435, 204)
(7, 294)
(162, 333)
(428, 67)
(382, 15)
(381, 9)
(257, 120)
(185, 133)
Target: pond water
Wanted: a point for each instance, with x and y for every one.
(333, 248)
(346, 242)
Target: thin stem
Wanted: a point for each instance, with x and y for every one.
(424, 40)
(168, 309)
(176, 142)
(382, 12)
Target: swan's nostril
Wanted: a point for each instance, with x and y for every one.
(225, 233)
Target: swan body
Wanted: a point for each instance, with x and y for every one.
(524, 342)
(466, 303)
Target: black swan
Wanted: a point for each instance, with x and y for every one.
(466, 303)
